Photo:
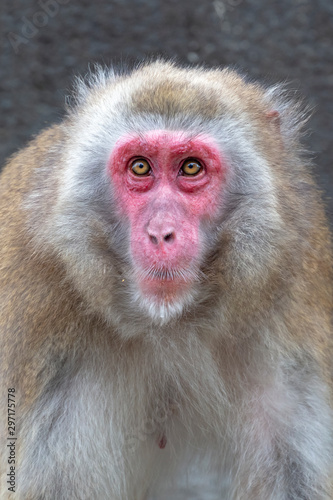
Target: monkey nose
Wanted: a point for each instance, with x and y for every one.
(160, 236)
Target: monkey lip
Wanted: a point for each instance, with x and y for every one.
(165, 284)
(166, 290)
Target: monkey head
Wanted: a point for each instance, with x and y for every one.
(168, 189)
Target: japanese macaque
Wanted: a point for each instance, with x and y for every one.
(165, 294)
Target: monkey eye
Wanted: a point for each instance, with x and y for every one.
(140, 166)
(191, 167)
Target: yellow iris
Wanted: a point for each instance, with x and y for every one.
(191, 167)
(140, 167)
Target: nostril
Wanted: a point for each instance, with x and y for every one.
(168, 238)
(159, 236)
(153, 239)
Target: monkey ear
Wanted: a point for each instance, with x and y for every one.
(274, 117)
(287, 112)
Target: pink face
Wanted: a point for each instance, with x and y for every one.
(166, 185)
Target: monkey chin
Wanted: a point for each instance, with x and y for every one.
(164, 299)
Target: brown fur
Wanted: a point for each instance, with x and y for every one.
(52, 333)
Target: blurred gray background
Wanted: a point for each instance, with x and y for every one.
(44, 43)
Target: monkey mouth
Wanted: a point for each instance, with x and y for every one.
(165, 284)
(167, 274)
